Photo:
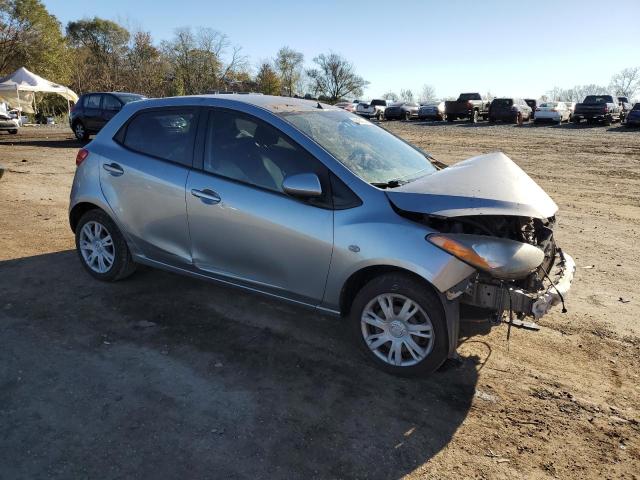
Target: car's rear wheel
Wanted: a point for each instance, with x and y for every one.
(450, 118)
(399, 324)
(407, 116)
(102, 248)
(80, 131)
(474, 117)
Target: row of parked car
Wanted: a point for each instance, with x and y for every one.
(606, 109)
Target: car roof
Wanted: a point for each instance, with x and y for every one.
(271, 103)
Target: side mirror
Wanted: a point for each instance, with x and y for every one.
(302, 185)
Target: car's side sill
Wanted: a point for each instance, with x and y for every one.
(203, 276)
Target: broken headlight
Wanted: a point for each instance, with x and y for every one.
(500, 257)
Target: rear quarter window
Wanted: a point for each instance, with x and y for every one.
(165, 134)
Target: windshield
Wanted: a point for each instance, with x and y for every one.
(469, 96)
(129, 97)
(381, 103)
(502, 102)
(598, 99)
(367, 150)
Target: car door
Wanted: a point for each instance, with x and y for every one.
(243, 227)
(110, 106)
(91, 111)
(143, 177)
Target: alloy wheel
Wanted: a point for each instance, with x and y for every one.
(397, 330)
(96, 247)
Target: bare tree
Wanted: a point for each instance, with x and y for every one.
(393, 96)
(406, 95)
(626, 82)
(335, 77)
(199, 61)
(428, 94)
(289, 65)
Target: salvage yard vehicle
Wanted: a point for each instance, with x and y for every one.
(633, 119)
(513, 110)
(375, 109)
(598, 108)
(8, 122)
(552, 112)
(308, 203)
(431, 111)
(93, 110)
(469, 106)
(625, 106)
(401, 111)
(533, 104)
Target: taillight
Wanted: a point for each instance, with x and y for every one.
(606, 109)
(470, 104)
(554, 109)
(83, 153)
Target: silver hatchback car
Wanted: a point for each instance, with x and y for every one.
(315, 205)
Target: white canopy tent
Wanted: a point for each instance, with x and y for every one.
(19, 88)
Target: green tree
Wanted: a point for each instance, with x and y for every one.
(31, 37)
(267, 80)
(289, 65)
(100, 47)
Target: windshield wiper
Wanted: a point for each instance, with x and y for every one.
(390, 184)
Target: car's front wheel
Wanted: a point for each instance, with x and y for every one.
(399, 324)
(102, 248)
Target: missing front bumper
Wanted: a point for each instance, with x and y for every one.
(503, 297)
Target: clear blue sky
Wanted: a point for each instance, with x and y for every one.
(520, 48)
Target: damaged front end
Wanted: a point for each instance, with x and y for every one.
(519, 267)
(487, 212)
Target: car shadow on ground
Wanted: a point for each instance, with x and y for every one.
(166, 376)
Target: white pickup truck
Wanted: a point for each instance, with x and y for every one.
(374, 109)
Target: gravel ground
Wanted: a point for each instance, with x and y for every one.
(165, 376)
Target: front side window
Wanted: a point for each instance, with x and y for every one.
(246, 149)
(369, 151)
(166, 134)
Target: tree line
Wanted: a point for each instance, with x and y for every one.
(97, 54)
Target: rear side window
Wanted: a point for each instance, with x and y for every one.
(165, 134)
(92, 101)
(110, 102)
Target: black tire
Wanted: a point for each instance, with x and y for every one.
(450, 118)
(80, 131)
(407, 116)
(608, 121)
(473, 118)
(123, 265)
(425, 298)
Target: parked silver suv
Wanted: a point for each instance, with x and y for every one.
(312, 204)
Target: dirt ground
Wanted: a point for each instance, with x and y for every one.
(162, 376)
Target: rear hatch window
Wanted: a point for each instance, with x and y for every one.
(502, 103)
(599, 99)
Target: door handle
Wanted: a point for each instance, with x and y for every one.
(207, 196)
(113, 168)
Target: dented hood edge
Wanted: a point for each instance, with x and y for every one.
(490, 184)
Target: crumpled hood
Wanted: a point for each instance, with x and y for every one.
(490, 184)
